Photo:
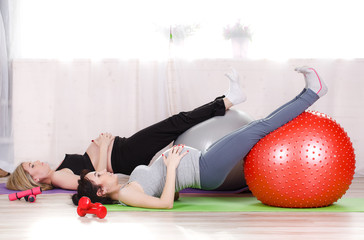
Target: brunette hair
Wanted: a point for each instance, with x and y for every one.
(88, 189)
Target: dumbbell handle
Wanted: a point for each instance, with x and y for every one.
(85, 203)
(100, 211)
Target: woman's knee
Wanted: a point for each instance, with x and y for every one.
(265, 126)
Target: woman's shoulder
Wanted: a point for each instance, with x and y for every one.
(64, 170)
(65, 179)
(130, 186)
(128, 190)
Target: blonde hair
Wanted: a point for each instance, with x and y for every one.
(21, 180)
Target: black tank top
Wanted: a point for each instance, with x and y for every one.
(77, 163)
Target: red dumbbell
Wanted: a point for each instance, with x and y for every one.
(86, 206)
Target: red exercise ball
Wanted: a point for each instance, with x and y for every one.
(308, 162)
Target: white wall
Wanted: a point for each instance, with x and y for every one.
(60, 107)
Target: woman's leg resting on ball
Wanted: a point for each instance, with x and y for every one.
(223, 155)
(312, 80)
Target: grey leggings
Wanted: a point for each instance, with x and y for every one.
(223, 155)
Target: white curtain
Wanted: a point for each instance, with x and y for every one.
(59, 107)
(6, 142)
(82, 67)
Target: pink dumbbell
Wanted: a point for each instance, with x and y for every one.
(29, 195)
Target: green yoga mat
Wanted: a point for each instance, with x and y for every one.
(243, 204)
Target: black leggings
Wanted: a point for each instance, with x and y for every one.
(140, 148)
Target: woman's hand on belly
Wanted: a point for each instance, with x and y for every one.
(104, 140)
(93, 152)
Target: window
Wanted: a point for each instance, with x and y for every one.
(281, 29)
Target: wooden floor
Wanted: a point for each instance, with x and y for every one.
(54, 217)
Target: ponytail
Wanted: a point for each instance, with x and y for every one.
(75, 199)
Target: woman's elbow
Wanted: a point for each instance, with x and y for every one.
(168, 205)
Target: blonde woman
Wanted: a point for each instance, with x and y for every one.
(120, 154)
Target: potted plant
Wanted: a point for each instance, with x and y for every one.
(180, 32)
(177, 33)
(240, 36)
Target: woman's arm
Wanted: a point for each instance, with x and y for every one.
(172, 162)
(65, 179)
(133, 197)
(103, 142)
(167, 196)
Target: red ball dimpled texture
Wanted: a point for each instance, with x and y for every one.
(308, 162)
